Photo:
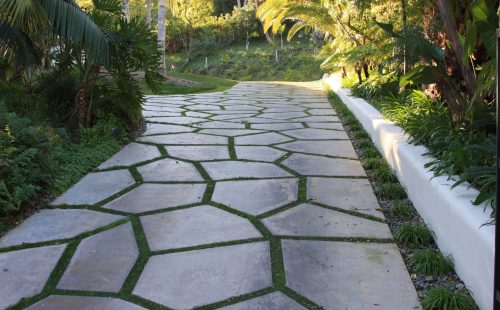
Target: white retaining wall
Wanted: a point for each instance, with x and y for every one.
(449, 213)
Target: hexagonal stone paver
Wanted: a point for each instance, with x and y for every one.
(323, 166)
(223, 170)
(311, 268)
(25, 272)
(57, 224)
(195, 226)
(258, 153)
(169, 170)
(215, 274)
(102, 262)
(60, 302)
(199, 152)
(350, 194)
(256, 196)
(150, 197)
(261, 139)
(316, 134)
(184, 138)
(95, 187)
(312, 221)
(131, 154)
(152, 129)
(329, 148)
(273, 301)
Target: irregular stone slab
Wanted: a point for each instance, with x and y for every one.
(168, 169)
(56, 224)
(312, 221)
(222, 125)
(335, 126)
(153, 128)
(317, 119)
(213, 274)
(199, 152)
(287, 108)
(231, 116)
(261, 139)
(102, 262)
(163, 108)
(242, 107)
(320, 112)
(153, 114)
(230, 132)
(316, 134)
(322, 166)
(195, 226)
(330, 148)
(236, 169)
(256, 196)
(184, 138)
(259, 153)
(60, 302)
(284, 115)
(197, 114)
(259, 120)
(311, 268)
(25, 272)
(181, 120)
(131, 154)
(273, 301)
(150, 197)
(204, 107)
(278, 126)
(95, 187)
(350, 194)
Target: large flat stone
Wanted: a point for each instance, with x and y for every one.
(256, 196)
(24, 273)
(150, 197)
(258, 153)
(350, 194)
(230, 132)
(189, 279)
(283, 115)
(153, 129)
(278, 126)
(199, 152)
(57, 224)
(102, 262)
(181, 120)
(316, 134)
(184, 138)
(60, 302)
(329, 148)
(131, 154)
(168, 169)
(335, 126)
(95, 187)
(342, 275)
(261, 139)
(273, 301)
(195, 226)
(226, 125)
(236, 169)
(321, 112)
(312, 221)
(318, 119)
(323, 166)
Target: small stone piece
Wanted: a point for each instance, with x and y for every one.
(95, 187)
(190, 279)
(312, 221)
(195, 226)
(273, 301)
(323, 166)
(261, 139)
(149, 197)
(23, 273)
(131, 154)
(185, 138)
(258, 153)
(169, 170)
(102, 262)
(316, 134)
(329, 148)
(342, 275)
(350, 194)
(48, 225)
(199, 152)
(256, 196)
(59, 302)
(224, 170)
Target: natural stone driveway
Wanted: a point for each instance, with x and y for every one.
(249, 199)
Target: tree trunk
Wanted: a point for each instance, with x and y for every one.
(365, 69)
(239, 3)
(126, 9)
(82, 108)
(357, 69)
(161, 34)
(148, 13)
(403, 9)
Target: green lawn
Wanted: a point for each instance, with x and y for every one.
(209, 84)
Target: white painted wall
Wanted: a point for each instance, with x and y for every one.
(449, 213)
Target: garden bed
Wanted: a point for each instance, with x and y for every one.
(458, 225)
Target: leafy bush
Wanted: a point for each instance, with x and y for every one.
(441, 298)
(430, 263)
(401, 209)
(375, 163)
(390, 191)
(377, 86)
(384, 175)
(413, 234)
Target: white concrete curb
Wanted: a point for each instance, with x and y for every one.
(449, 213)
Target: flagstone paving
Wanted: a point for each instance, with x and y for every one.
(253, 198)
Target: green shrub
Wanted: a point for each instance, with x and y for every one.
(413, 234)
(370, 152)
(431, 263)
(390, 191)
(384, 175)
(360, 134)
(441, 298)
(375, 163)
(363, 143)
(402, 209)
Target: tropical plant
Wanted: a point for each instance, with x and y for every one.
(431, 263)
(413, 234)
(442, 298)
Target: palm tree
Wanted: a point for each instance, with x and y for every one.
(148, 13)
(162, 15)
